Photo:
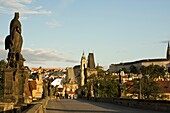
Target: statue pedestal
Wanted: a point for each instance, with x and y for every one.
(15, 81)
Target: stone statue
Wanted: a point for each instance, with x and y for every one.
(13, 42)
(15, 74)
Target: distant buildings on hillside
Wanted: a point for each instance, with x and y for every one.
(161, 62)
(75, 77)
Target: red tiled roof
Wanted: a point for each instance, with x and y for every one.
(71, 92)
(45, 69)
(165, 86)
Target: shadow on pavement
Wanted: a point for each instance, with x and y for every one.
(83, 111)
(103, 105)
(119, 108)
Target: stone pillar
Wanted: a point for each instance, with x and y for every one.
(9, 76)
(15, 84)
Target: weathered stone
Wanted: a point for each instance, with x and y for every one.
(13, 42)
(15, 74)
(14, 87)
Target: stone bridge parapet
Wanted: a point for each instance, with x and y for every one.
(160, 105)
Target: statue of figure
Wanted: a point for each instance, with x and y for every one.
(13, 42)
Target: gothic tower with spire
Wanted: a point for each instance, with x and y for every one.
(83, 69)
(168, 52)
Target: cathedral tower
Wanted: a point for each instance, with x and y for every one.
(168, 52)
(83, 69)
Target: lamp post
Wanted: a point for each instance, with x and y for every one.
(140, 88)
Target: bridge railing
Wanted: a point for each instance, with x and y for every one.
(38, 107)
(160, 105)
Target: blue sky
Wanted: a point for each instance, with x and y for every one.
(56, 32)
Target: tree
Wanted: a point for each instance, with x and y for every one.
(103, 85)
(154, 71)
(150, 88)
(133, 69)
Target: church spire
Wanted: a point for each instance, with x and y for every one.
(168, 51)
(83, 56)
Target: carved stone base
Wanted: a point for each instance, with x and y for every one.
(14, 84)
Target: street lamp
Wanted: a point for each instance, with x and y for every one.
(140, 76)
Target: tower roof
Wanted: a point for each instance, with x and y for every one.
(91, 63)
(83, 56)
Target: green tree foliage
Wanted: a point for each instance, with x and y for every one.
(133, 69)
(123, 69)
(154, 71)
(149, 88)
(104, 85)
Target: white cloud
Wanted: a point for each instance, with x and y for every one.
(53, 24)
(3, 54)
(25, 1)
(39, 7)
(42, 57)
(45, 56)
(23, 17)
(10, 6)
(1, 42)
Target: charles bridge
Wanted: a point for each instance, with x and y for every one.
(16, 99)
(112, 105)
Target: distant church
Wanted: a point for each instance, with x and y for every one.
(85, 69)
(161, 62)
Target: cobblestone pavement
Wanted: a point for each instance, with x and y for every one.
(85, 106)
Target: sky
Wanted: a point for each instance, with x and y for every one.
(56, 32)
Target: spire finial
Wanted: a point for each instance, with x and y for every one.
(83, 52)
(83, 56)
